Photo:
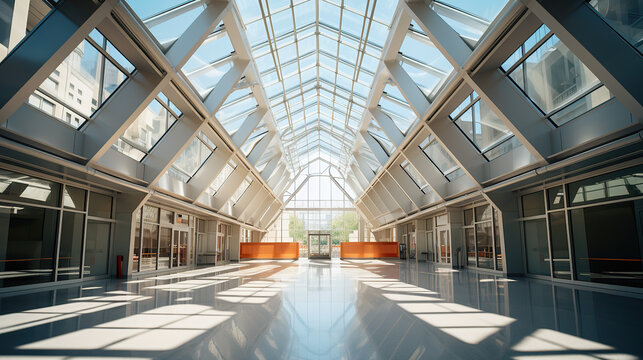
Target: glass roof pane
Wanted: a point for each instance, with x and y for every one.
(400, 112)
(414, 175)
(440, 157)
(210, 62)
(147, 129)
(484, 128)
(167, 19)
(469, 18)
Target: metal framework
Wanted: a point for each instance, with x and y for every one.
(410, 103)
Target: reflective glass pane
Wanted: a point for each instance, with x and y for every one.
(469, 18)
(74, 198)
(71, 242)
(146, 130)
(241, 190)
(482, 126)
(535, 233)
(625, 16)
(559, 245)
(220, 179)
(96, 248)
(28, 242)
(414, 175)
(100, 205)
(440, 157)
(192, 158)
(167, 19)
(533, 204)
(24, 188)
(553, 77)
(72, 93)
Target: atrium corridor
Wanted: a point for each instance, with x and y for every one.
(320, 309)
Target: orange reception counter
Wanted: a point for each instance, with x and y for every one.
(269, 250)
(369, 250)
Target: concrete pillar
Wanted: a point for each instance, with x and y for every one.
(124, 229)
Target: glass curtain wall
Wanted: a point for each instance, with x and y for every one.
(319, 205)
(51, 231)
(587, 230)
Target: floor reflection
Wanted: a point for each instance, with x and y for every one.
(320, 309)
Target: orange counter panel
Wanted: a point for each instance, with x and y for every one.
(269, 250)
(369, 250)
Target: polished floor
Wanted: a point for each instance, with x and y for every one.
(320, 309)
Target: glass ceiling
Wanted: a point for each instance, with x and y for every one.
(317, 61)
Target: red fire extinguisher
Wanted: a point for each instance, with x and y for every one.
(119, 266)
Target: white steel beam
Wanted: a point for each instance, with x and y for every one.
(388, 125)
(246, 201)
(375, 147)
(183, 48)
(226, 85)
(271, 167)
(413, 95)
(260, 147)
(248, 126)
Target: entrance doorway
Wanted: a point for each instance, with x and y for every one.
(318, 245)
(444, 245)
(224, 235)
(180, 249)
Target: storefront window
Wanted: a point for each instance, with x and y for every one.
(607, 243)
(136, 254)
(535, 232)
(71, 243)
(559, 245)
(100, 205)
(149, 246)
(28, 241)
(74, 198)
(594, 229)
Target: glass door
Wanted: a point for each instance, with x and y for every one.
(445, 245)
(319, 246)
(430, 246)
(175, 249)
(313, 244)
(183, 248)
(412, 245)
(224, 235)
(324, 244)
(179, 248)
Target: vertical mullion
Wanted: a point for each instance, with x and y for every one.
(570, 251)
(551, 258)
(59, 235)
(83, 244)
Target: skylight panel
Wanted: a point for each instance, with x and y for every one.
(167, 20)
(319, 70)
(210, 62)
